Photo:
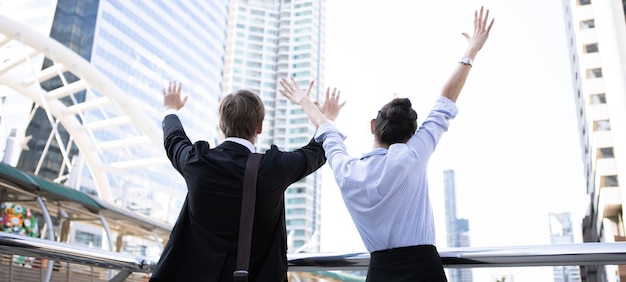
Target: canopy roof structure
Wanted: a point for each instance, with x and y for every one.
(21, 187)
(114, 138)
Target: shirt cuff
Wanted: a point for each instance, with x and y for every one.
(168, 112)
(325, 129)
(445, 104)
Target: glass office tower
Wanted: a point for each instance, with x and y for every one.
(269, 40)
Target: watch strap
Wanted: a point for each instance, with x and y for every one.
(466, 61)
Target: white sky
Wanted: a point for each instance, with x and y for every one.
(514, 145)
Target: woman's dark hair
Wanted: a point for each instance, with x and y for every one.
(396, 122)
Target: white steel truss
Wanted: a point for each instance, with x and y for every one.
(104, 107)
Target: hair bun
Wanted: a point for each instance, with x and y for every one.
(399, 110)
(401, 102)
(396, 122)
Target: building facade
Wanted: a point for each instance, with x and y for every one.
(457, 228)
(561, 233)
(269, 40)
(597, 42)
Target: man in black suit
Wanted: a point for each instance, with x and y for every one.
(203, 243)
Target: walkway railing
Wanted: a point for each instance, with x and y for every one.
(513, 256)
(56, 252)
(124, 265)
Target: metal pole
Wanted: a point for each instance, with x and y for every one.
(158, 241)
(8, 148)
(109, 239)
(46, 216)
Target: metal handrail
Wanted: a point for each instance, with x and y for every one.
(468, 257)
(512, 256)
(56, 251)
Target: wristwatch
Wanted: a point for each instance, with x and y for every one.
(466, 61)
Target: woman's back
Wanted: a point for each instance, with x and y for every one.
(386, 190)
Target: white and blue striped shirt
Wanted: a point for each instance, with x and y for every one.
(386, 190)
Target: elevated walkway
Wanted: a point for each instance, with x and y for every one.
(75, 261)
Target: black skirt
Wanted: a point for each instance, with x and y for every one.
(414, 263)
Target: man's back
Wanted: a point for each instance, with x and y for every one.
(203, 244)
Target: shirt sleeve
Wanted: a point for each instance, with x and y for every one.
(425, 139)
(327, 128)
(336, 152)
(176, 143)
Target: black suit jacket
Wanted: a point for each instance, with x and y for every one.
(203, 242)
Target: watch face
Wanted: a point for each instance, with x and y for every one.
(466, 60)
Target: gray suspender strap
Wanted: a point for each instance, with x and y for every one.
(248, 200)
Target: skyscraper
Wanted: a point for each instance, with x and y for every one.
(269, 40)
(561, 233)
(597, 44)
(457, 228)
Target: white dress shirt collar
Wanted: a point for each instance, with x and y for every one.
(244, 142)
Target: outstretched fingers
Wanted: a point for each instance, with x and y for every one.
(291, 90)
(308, 91)
(482, 28)
(336, 94)
(490, 24)
(295, 84)
(482, 21)
(172, 88)
(285, 84)
(172, 96)
(478, 18)
(336, 97)
(327, 96)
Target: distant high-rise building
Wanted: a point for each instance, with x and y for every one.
(596, 36)
(269, 40)
(561, 233)
(457, 228)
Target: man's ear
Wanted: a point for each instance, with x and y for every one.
(259, 128)
(373, 126)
